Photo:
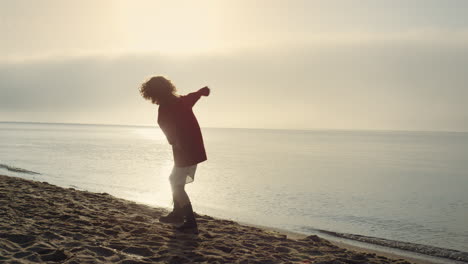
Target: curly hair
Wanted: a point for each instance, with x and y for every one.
(157, 89)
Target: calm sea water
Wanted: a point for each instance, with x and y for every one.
(406, 186)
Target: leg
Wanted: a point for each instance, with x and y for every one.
(179, 195)
(183, 200)
(179, 198)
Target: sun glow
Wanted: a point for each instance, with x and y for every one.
(170, 27)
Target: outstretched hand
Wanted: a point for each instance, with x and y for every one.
(205, 91)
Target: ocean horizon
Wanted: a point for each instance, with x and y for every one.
(407, 186)
(251, 128)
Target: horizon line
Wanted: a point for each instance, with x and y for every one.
(251, 128)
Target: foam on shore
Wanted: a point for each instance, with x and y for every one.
(432, 251)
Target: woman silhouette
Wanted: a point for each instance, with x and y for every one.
(178, 122)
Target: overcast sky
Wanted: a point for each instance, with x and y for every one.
(398, 65)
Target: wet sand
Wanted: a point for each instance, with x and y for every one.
(40, 223)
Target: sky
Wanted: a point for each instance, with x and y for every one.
(368, 64)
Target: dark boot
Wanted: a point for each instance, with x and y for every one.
(173, 217)
(190, 224)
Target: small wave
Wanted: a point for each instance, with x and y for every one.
(15, 169)
(75, 187)
(413, 247)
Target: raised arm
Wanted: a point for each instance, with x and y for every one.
(192, 98)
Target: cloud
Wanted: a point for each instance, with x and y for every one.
(398, 84)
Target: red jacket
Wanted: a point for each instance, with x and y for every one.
(182, 130)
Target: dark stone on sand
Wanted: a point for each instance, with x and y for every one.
(57, 255)
(313, 238)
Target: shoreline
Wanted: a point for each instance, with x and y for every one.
(355, 245)
(43, 222)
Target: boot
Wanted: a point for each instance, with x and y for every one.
(190, 224)
(173, 217)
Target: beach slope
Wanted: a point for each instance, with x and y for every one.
(40, 222)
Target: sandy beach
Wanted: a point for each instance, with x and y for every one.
(40, 222)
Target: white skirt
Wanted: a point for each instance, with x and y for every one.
(182, 175)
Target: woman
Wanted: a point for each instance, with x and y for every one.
(179, 124)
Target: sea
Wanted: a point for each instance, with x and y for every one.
(405, 186)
